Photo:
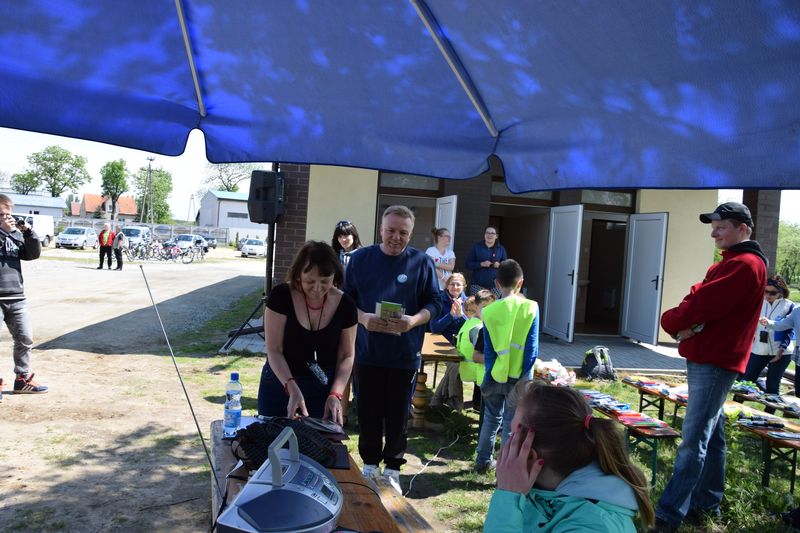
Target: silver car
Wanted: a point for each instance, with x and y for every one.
(77, 238)
(254, 248)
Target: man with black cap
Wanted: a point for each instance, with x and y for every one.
(714, 325)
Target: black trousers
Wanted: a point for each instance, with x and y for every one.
(118, 257)
(383, 407)
(105, 251)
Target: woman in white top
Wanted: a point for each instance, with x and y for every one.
(771, 349)
(443, 257)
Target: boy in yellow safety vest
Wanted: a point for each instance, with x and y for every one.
(511, 344)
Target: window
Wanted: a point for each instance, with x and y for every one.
(408, 181)
(499, 189)
(607, 198)
(237, 215)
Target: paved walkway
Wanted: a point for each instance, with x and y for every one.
(626, 355)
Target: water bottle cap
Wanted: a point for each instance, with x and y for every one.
(234, 376)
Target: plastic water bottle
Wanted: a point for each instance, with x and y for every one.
(233, 406)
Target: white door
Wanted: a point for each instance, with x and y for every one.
(446, 215)
(561, 289)
(644, 276)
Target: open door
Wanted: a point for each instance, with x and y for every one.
(561, 288)
(644, 276)
(446, 215)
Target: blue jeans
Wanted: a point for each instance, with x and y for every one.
(497, 411)
(698, 478)
(15, 315)
(756, 364)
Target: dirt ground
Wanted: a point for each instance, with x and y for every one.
(112, 446)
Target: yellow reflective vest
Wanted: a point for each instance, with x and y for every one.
(508, 322)
(468, 369)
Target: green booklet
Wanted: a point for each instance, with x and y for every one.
(387, 310)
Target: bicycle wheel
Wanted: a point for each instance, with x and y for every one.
(187, 256)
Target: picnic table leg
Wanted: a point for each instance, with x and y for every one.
(435, 370)
(641, 401)
(766, 453)
(794, 467)
(661, 409)
(654, 466)
(675, 415)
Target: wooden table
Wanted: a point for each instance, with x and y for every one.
(368, 506)
(649, 436)
(652, 396)
(772, 448)
(741, 397)
(437, 349)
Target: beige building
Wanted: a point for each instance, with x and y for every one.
(598, 262)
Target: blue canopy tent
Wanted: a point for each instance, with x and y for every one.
(568, 94)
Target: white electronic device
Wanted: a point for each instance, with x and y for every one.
(290, 493)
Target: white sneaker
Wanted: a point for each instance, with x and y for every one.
(392, 476)
(371, 471)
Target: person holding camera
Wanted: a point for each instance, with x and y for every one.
(18, 242)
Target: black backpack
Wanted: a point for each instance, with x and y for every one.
(597, 365)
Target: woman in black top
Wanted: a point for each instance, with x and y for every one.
(345, 240)
(310, 329)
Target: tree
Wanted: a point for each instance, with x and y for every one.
(25, 182)
(227, 176)
(788, 260)
(115, 182)
(161, 187)
(59, 169)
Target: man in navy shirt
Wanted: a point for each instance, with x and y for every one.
(388, 350)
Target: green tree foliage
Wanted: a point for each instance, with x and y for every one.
(160, 188)
(788, 261)
(25, 182)
(227, 176)
(59, 169)
(115, 182)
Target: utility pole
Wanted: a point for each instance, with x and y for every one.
(149, 187)
(191, 208)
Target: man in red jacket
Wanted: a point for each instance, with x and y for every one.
(106, 239)
(714, 325)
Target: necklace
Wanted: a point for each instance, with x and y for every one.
(309, 309)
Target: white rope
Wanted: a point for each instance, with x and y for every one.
(410, 483)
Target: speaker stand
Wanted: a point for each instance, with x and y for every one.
(245, 329)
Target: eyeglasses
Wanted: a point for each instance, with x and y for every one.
(490, 233)
(771, 293)
(342, 223)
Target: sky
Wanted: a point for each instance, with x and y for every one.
(189, 169)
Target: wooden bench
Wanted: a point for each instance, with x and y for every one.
(368, 506)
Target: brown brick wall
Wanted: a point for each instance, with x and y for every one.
(291, 230)
(765, 207)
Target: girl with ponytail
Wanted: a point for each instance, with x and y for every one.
(564, 469)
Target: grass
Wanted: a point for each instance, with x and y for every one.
(448, 489)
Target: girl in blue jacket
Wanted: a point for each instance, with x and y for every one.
(564, 470)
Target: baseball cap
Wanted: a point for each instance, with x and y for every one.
(732, 210)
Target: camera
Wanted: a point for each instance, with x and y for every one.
(18, 220)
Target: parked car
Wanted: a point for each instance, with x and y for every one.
(210, 239)
(254, 248)
(75, 237)
(137, 234)
(185, 240)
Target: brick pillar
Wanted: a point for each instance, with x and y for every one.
(291, 231)
(472, 214)
(765, 207)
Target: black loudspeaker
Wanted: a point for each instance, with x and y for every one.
(265, 202)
